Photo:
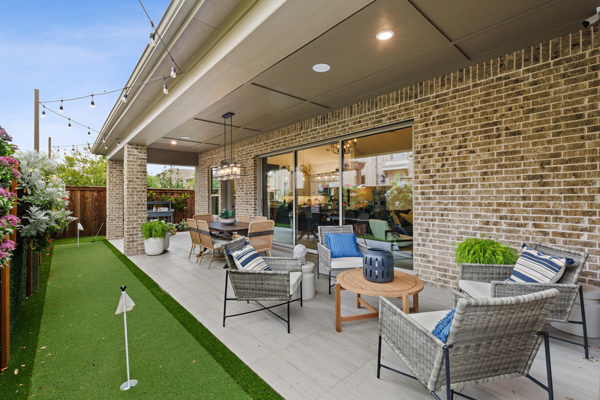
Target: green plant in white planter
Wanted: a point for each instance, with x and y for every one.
(154, 233)
(227, 216)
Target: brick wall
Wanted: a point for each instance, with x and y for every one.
(135, 200)
(508, 147)
(114, 199)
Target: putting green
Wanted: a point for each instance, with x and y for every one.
(81, 348)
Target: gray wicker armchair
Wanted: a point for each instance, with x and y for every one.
(280, 284)
(482, 280)
(474, 352)
(339, 264)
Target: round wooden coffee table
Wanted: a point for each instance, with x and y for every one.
(403, 286)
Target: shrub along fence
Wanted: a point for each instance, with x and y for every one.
(88, 205)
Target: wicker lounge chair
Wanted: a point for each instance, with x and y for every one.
(480, 280)
(474, 353)
(279, 284)
(336, 264)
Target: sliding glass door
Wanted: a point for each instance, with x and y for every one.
(278, 195)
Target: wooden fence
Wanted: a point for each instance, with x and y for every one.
(88, 205)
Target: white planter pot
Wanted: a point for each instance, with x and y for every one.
(154, 247)
(167, 240)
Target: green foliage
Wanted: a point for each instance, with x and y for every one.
(168, 179)
(82, 168)
(155, 229)
(226, 214)
(177, 202)
(484, 251)
(400, 195)
(182, 226)
(18, 281)
(7, 149)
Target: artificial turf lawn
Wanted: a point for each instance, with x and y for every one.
(81, 350)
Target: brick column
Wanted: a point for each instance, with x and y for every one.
(201, 196)
(114, 199)
(135, 198)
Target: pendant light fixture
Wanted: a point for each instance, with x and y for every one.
(229, 168)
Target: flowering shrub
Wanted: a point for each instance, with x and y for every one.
(48, 197)
(6, 200)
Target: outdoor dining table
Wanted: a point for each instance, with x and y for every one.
(240, 227)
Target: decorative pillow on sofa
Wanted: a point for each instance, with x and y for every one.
(442, 329)
(408, 217)
(535, 267)
(342, 245)
(248, 259)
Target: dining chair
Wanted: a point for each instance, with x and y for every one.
(209, 243)
(244, 218)
(204, 217)
(260, 218)
(260, 235)
(195, 236)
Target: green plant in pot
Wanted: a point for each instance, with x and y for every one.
(155, 236)
(227, 216)
(484, 250)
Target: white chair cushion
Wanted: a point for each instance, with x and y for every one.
(429, 320)
(476, 290)
(346, 262)
(295, 279)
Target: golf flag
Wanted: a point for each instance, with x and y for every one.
(125, 304)
(79, 226)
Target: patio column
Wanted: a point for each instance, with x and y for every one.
(114, 199)
(200, 196)
(134, 198)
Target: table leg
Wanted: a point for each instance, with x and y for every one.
(416, 302)
(357, 300)
(405, 303)
(338, 310)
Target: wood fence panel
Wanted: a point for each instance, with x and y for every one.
(88, 205)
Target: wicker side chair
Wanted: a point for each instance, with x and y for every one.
(474, 279)
(336, 264)
(204, 217)
(260, 235)
(195, 236)
(210, 244)
(244, 218)
(260, 218)
(279, 284)
(474, 353)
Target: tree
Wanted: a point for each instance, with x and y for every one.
(82, 168)
(167, 179)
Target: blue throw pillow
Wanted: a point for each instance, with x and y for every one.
(342, 245)
(442, 329)
(536, 267)
(248, 259)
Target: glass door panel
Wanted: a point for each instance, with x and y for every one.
(278, 195)
(317, 190)
(377, 191)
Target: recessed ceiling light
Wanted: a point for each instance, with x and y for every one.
(185, 137)
(385, 35)
(173, 142)
(321, 67)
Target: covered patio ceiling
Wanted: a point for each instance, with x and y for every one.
(255, 59)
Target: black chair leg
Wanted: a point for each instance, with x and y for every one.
(584, 324)
(379, 358)
(548, 366)
(225, 298)
(301, 294)
(449, 392)
(288, 316)
(329, 282)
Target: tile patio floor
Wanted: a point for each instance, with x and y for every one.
(316, 362)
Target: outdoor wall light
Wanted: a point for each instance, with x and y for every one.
(321, 67)
(385, 35)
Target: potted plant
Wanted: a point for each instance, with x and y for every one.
(154, 233)
(484, 251)
(227, 216)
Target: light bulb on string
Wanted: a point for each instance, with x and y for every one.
(69, 126)
(173, 72)
(89, 133)
(92, 105)
(60, 110)
(73, 147)
(151, 39)
(165, 89)
(119, 142)
(105, 146)
(103, 139)
(44, 112)
(124, 98)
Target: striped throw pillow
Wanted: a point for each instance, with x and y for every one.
(535, 267)
(248, 259)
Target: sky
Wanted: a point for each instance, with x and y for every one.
(68, 49)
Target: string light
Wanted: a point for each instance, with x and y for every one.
(44, 112)
(118, 141)
(92, 105)
(165, 89)
(151, 39)
(60, 110)
(69, 126)
(173, 72)
(103, 139)
(89, 133)
(105, 146)
(124, 98)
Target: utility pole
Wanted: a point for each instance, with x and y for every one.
(49, 147)
(36, 120)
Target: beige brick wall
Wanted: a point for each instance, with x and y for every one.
(135, 201)
(508, 147)
(114, 199)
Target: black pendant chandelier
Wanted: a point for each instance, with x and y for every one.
(229, 168)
